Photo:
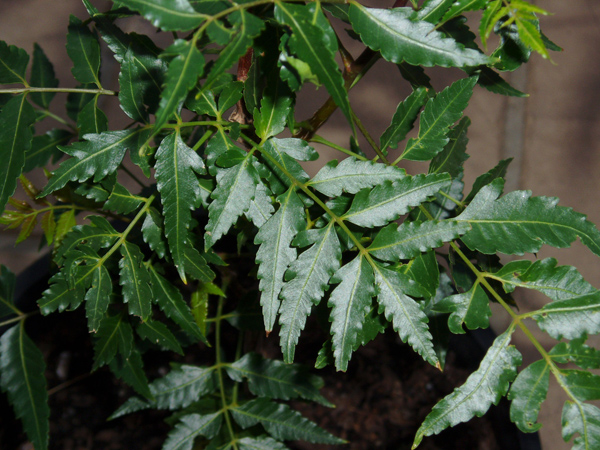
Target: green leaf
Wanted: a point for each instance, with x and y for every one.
(527, 394)
(582, 384)
(403, 119)
(158, 333)
(84, 50)
(152, 232)
(13, 64)
(275, 379)
(352, 175)
(17, 117)
(22, 379)
(168, 15)
(275, 254)
(42, 75)
(261, 207)
(439, 114)
(575, 351)
(572, 318)
(518, 223)
(280, 421)
(97, 156)
(97, 297)
(122, 201)
(433, 10)
(260, 443)
(275, 106)
(307, 279)
(7, 290)
(583, 419)
(461, 6)
(91, 119)
(135, 279)
(100, 234)
(349, 302)
(425, 271)
(176, 169)
(189, 427)
(114, 336)
(405, 313)
(471, 308)
(283, 166)
(392, 32)
(408, 240)
(493, 82)
(499, 171)
(61, 295)
(484, 387)
(182, 386)
(196, 266)
(231, 198)
(171, 302)
(184, 70)
(44, 147)
(140, 80)
(388, 201)
(529, 33)
(307, 41)
(230, 95)
(131, 370)
(454, 154)
(246, 27)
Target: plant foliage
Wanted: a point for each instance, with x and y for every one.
(154, 263)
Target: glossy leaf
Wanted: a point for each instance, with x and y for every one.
(13, 64)
(100, 234)
(17, 116)
(168, 15)
(518, 223)
(527, 394)
(135, 280)
(461, 6)
(158, 333)
(91, 119)
(280, 421)
(410, 239)
(97, 297)
(404, 312)
(275, 106)
(352, 175)
(44, 147)
(392, 32)
(439, 114)
(386, 202)
(61, 295)
(403, 119)
(152, 232)
(114, 336)
(349, 303)
(499, 171)
(122, 201)
(191, 426)
(275, 252)
(557, 318)
(321, 58)
(171, 302)
(261, 207)
(97, 156)
(307, 280)
(131, 371)
(471, 309)
(22, 379)
(260, 443)
(577, 352)
(184, 70)
(275, 379)
(84, 50)
(42, 75)
(181, 387)
(176, 169)
(484, 387)
(583, 419)
(433, 10)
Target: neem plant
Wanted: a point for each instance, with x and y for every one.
(382, 248)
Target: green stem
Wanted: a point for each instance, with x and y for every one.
(321, 140)
(59, 119)
(59, 90)
(452, 199)
(368, 137)
(224, 403)
(20, 317)
(202, 140)
(238, 354)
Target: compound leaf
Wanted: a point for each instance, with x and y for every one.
(584, 419)
(97, 297)
(576, 351)
(307, 282)
(152, 232)
(352, 175)
(275, 106)
(61, 295)
(131, 371)
(519, 223)
(527, 394)
(84, 50)
(275, 253)
(135, 279)
(439, 114)
(168, 15)
(22, 378)
(484, 387)
(189, 427)
(13, 64)
(572, 318)
(17, 116)
(280, 421)
(409, 239)
(349, 302)
(275, 379)
(403, 119)
(158, 333)
(460, 6)
(44, 147)
(42, 75)
(392, 32)
(471, 308)
(388, 201)
(405, 313)
(114, 336)
(176, 169)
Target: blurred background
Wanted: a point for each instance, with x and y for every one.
(553, 135)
